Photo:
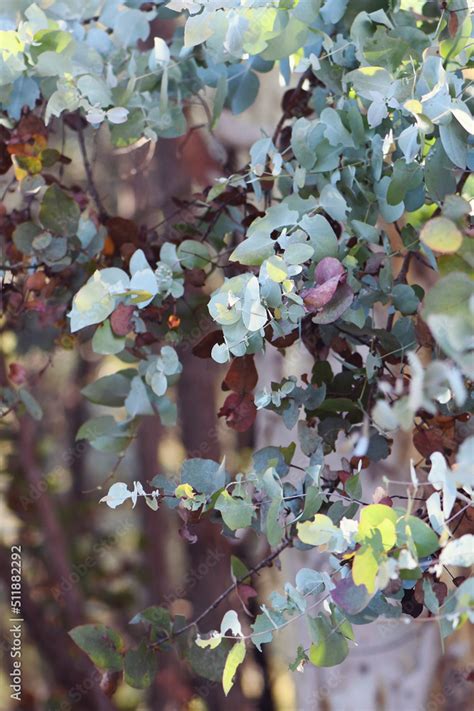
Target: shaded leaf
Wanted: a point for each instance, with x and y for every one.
(329, 647)
(102, 644)
(140, 666)
(351, 598)
(203, 348)
(239, 411)
(59, 213)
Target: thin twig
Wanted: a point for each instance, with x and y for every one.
(103, 214)
(263, 564)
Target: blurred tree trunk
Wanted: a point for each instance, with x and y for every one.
(72, 671)
(167, 176)
(197, 408)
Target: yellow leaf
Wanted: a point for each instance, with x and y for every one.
(139, 295)
(378, 517)
(184, 491)
(20, 173)
(276, 269)
(441, 235)
(317, 532)
(235, 657)
(365, 568)
(414, 106)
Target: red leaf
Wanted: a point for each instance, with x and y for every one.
(343, 476)
(36, 281)
(453, 23)
(242, 375)
(203, 348)
(121, 320)
(239, 411)
(17, 373)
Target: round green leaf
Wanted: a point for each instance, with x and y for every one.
(193, 255)
(425, 539)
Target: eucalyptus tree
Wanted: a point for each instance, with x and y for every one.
(365, 180)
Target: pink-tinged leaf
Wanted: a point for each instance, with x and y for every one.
(328, 268)
(17, 373)
(121, 320)
(328, 275)
(349, 597)
(338, 305)
(318, 296)
(246, 592)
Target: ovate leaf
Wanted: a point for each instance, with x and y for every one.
(236, 512)
(441, 235)
(110, 390)
(381, 518)
(317, 532)
(59, 213)
(425, 539)
(106, 342)
(329, 646)
(102, 644)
